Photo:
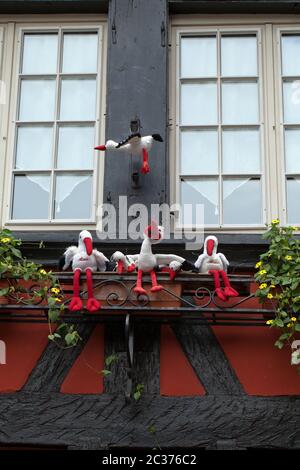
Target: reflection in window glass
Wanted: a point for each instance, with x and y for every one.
(204, 192)
(242, 201)
(31, 197)
(73, 197)
(199, 152)
(198, 57)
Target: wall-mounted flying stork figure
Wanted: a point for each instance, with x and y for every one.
(135, 144)
(83, 258)
(211, 262)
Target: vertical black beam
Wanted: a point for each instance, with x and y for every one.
(136, 89)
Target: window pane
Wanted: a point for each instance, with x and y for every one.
(199, 104)
(241, 151)
(75, 147)
(293, 197)
(240, 103)
(292, 152)
(39, 54)
(37, 100)
(31, 197)
(199, 152)
(239, 56)
(78, 100)
(80, 53)
(242, 201)
(198, 57)
(34, 148)
(73, 199)
(200, 192)
(290, 55)
(291, 102)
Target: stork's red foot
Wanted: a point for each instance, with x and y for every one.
(93, 305)
(221, 294)
(76, 304)
(140, 290)
(230, 292)
(145, 168)
(157, 288)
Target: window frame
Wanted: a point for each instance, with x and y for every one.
(98, 24)
(273, 159)
(204, 29)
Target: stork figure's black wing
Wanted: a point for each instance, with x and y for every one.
(128, 139)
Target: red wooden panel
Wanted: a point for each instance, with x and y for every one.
(85, 375)
(24, 345)
(177, 377)
(262, 369)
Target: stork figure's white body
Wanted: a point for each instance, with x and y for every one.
(83, 258)
(211, 262)
(124, 262)
(136, 145)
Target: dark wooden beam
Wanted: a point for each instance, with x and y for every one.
(234, 6)
(55, 363)
(53, 6)
(208, 359)
(106, 421)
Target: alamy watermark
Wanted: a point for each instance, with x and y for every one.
(128, 222)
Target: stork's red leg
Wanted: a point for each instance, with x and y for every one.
(228, 290)
(155, 287)
(92, 304)
(218, 289)
(120, 267)
(139, 288)
(145, 168)
(76, 302)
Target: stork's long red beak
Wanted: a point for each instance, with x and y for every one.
(120, 268)
(210, 247)
(88, 246)
(172, 274)
(100, 147)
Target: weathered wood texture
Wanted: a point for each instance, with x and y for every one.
(208, 360)
(53, 6)
(107, 421)
(234, 6)
(55, 363)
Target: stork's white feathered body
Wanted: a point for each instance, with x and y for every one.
(83, 256)
(134, 144)
(210, 260)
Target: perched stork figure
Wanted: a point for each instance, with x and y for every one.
(84, 258)
(135, 144)
(211, 262)
(123, 262)
(147, 262)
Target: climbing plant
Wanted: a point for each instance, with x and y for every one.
(278, 275)
(14, 268)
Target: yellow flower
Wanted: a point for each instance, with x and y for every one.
(270, 296)
(258, 264)
(272, 286)
(288, 257)
(275, 221)
(57, 299)
(263, 285)
(269, 322)
(5, 240)
(262, 272)
(293, 319)
(55, 290)
(295, 228)
(289, 325)
(43, 272)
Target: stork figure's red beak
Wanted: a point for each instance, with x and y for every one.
(152, 231)
(100, 147)
(210, 246)
(88, 246)
(120, 268)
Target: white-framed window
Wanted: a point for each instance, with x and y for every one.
(56, 118)
(288, 89)
(235, 120)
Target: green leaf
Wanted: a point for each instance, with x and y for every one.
(51, 337)
(105, 372)
(17, 253)
(4, 292)
(53, 315)
(69, 339)
(111, 359)
(297, 326)
(279, 344)
(152, 429)
(137, 395)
